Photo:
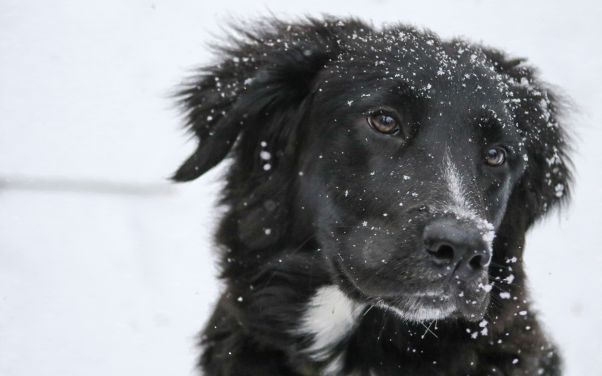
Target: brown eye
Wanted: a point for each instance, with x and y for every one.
(384, 123)
(495, 156)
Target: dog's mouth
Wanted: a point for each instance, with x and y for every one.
(430, 306)
(453, 300)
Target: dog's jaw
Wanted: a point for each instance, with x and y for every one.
(331, 316)
(416, 311)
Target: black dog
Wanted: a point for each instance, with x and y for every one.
(381, 185)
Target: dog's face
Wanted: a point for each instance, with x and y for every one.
(402, 155)
(409, 176)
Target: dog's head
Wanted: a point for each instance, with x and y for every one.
(406, 158)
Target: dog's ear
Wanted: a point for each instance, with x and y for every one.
(261, 73)
(539, 116)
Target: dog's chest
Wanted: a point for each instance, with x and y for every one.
(330, 318)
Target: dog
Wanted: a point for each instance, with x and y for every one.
(380, 186)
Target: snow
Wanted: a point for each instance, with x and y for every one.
(505, 295)
(265, 155)
(118, 281)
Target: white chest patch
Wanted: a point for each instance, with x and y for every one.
(329, 318)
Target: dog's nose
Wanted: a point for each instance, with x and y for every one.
(456, 245)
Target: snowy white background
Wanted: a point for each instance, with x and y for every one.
(108, 283)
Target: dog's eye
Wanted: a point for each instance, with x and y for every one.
(495, 156)
(383, 122)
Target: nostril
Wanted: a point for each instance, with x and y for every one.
(476, 262)
(443, 253)
(479, 261)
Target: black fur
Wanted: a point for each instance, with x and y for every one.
(295, 221)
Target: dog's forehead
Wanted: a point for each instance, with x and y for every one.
(453, 77)
(419, 59)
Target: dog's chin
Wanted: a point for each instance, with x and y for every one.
(454, 302)
(429, 307)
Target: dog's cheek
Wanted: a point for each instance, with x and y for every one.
(373, 253)
(370, 249)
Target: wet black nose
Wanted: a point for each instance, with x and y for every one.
(456, 245)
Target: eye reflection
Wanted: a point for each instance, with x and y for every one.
(383, 122)
(495, 156)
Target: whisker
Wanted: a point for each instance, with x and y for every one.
(368, 310)
(428, 330)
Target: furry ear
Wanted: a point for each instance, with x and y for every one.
(538, 113)
(262, 73)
